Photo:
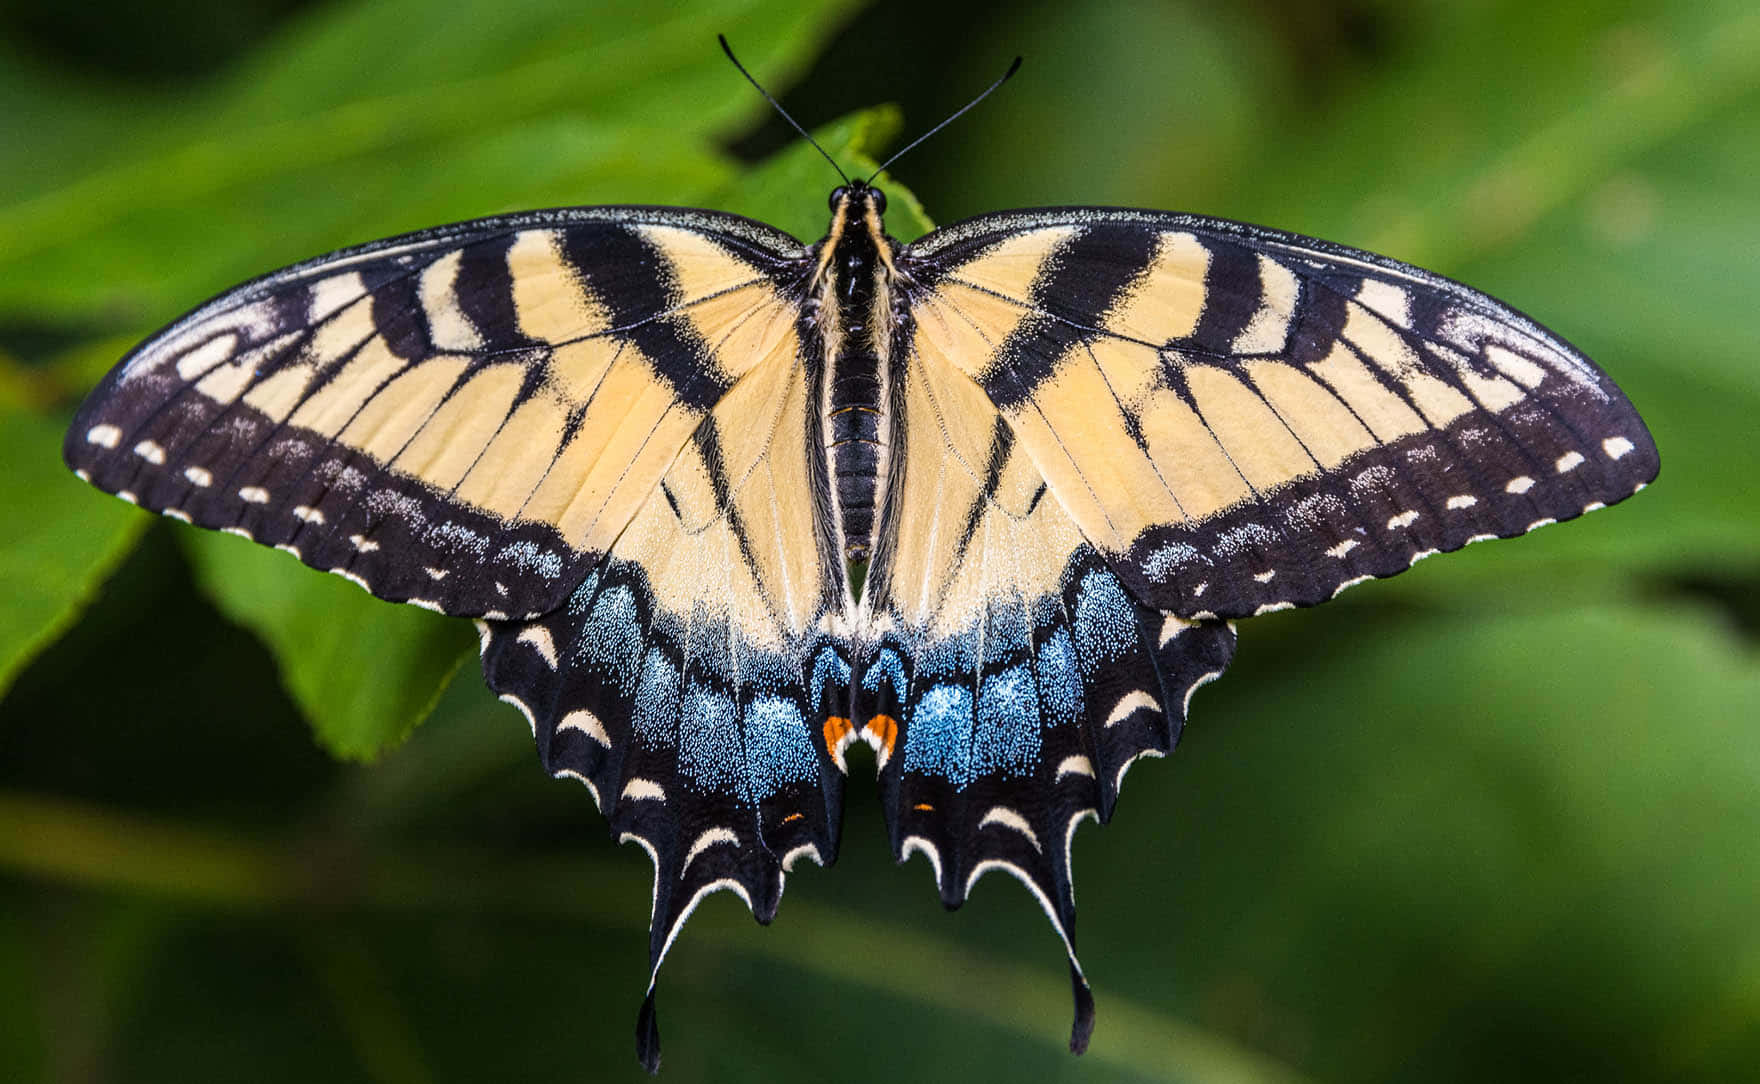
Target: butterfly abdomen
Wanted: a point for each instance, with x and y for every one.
(857, 447)
(852, 289)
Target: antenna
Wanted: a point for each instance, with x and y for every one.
(1012, 68)
(728, 49)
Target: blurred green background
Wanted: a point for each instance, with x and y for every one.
(1498, 818)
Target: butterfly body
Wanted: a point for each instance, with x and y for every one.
(723, 503)
(852, 297)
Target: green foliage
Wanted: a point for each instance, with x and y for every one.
(1493, 819)
(56, 546)
(364, 673)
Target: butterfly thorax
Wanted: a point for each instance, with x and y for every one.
(852, 285)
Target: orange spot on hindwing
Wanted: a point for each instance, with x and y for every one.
(838, 734)
(881, 732)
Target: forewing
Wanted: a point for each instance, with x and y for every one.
(463, 418)
(1241, 420)
(689, 680)
(1009, 679)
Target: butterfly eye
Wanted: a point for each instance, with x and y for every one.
(837, 196)
(879, 201)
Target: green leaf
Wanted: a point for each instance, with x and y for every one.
(363, 671)
(299, 148)
(58, 539)
(787, 189)
(1484, 822)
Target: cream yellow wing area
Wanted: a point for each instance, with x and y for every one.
(732, 534)
(631, 419)
(1242, 420)
(465, 419)
(968, 522)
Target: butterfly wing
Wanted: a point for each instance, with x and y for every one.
(589, 428)
(1010, 678)
(1121, 427)
(689, 679)
(463, 418)
(1241, 420)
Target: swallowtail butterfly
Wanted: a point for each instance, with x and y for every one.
(722, 503)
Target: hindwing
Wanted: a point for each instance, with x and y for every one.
(688, 680)
(1009, 678)
(1241, 420)
(463, 418)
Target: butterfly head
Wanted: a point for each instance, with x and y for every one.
(856, 244)
(859, 202)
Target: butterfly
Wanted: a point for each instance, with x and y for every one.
(723, 504)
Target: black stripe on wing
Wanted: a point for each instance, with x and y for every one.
(1072, 292)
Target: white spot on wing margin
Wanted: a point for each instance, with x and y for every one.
(810, 850)
(539, 638)
(913, 844)
(643, 790)
(509, 698)
(709, 838)
(1008, 818)
(587, 723)
(1129, 703)
(1074, 765)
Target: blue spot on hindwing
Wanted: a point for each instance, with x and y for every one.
(583, 595)
(985, 695)
(778, 751)
(656, 706)
(956, 656)
(709, 739)
(611, 637)
(1059, 678)
(939, 736)
(1005, 737)
(887, 667)
(1105, 620)
(830, 675)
